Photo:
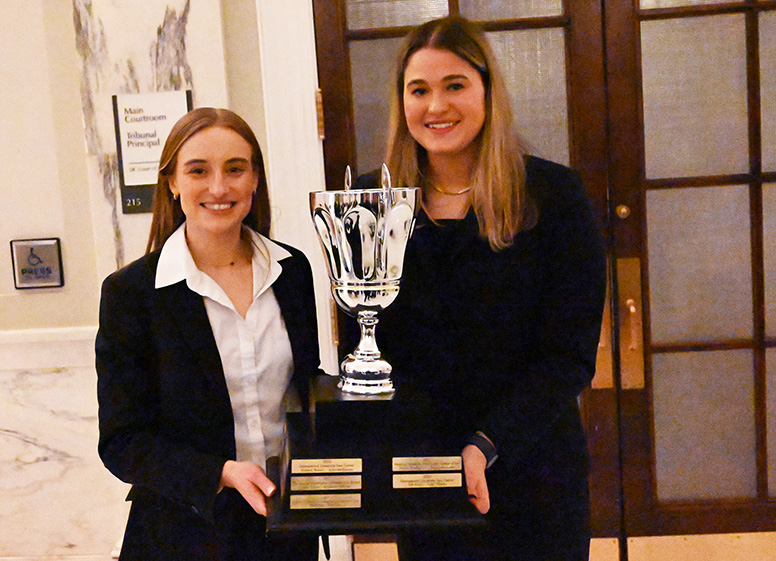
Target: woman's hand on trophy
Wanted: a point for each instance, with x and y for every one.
(474, 464)
(250, 481)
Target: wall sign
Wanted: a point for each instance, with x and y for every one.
(142, 123)
(37, 263)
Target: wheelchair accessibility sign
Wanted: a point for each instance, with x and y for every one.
(37, 263)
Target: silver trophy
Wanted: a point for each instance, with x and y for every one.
(364, 233)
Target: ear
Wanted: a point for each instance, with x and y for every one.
(173, 189)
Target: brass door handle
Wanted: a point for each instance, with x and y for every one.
(604, 368)
(634, 328)
(631, 345)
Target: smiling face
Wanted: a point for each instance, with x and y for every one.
(215, 180)
(444, 103)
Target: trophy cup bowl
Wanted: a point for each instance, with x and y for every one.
(364, 234)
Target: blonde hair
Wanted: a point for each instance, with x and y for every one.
(167, 213)
(499, 196)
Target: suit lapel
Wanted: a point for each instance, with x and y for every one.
(287, 291)
(187, 314)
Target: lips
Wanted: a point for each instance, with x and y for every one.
(218, 206)
(438, 126)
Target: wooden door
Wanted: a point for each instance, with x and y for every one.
(669, 115)
(692, 162)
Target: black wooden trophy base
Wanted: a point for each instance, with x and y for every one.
(388, 436)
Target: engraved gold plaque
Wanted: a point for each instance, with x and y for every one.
(427, 463)
(326, 465)
(426, 480)
(332, 500)
(326, 483)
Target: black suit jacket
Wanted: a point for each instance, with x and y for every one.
(503, 342)
(165, 417)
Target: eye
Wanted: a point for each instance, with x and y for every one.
(418, 92)
(195, 171)
(455, 86)
(236, 170)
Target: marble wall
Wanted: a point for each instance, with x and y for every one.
(139, 47)
(58, 501)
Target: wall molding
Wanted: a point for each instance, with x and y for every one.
(48, 335)
(49, 348)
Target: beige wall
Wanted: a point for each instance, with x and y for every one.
(51, 181)
(44, 187)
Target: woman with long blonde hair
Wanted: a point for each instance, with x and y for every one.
(496, 325)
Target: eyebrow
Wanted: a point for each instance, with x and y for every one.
(449, 78)
(195, 161)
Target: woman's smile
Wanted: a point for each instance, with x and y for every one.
(444, 102)
(215, 180)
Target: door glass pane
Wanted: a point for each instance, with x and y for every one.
(769, 235)
(699, 264)
(650, 4)
(768, 88)
(533, 63)
(506, 9)
(372, 64)
(695, 103)
(370, 14)
(704, 425)
(770, 404)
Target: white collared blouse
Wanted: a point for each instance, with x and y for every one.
(255, 351)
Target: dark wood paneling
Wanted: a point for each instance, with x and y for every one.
(334, 78)
(599, 412)
(626, 144)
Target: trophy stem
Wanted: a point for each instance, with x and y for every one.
(367, 346)
(364, 371)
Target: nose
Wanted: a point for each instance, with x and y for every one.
(437, 102)
(218, 186)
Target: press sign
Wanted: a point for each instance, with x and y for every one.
(37, 263)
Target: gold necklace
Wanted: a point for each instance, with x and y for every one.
(461, 192)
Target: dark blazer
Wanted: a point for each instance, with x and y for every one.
(503, 342)
(165, 417)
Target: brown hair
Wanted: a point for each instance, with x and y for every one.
(499, 196)
(167, 213)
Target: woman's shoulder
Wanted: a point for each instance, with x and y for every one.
(541, 171)
(296, 262)
(137, 271)
(549, 182)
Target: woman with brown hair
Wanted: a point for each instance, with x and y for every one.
(204, 344)
(497, 321)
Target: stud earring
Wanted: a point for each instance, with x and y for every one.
(175, 196)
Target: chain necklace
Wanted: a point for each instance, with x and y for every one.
(461, 192)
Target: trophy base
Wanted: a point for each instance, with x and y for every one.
(365, 376)
(365, 387)
(360, 465)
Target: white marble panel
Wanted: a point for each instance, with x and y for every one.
(139, 47)
(58, 501)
